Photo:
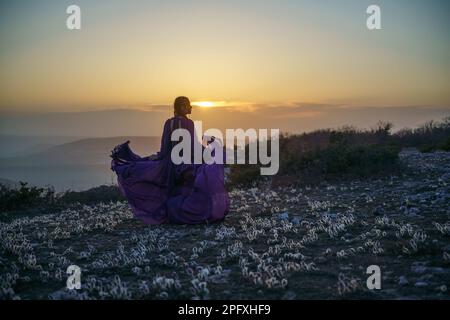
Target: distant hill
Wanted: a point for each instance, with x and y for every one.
(90, 151)
(22, 145)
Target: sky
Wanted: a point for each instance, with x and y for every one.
(249, 55)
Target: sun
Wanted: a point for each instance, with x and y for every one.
(211, 104)
(204, 104)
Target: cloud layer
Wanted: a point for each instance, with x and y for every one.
(148, 121)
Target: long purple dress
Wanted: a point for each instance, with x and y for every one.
(159, 191)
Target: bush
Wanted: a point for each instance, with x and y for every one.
(25, 197)
(446, 145)
(29, 201)
(429, 137)
(92, 196)
(326, 152)
(361, 159)
(243, 174)
(443, 146)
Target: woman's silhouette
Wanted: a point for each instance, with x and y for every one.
(159, 191)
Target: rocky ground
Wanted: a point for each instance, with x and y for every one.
(285, 243)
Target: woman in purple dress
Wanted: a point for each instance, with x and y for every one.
(160, 191)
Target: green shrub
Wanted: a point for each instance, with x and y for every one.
(442, 145)
(243, 174)
(431, 136)
(30, 201)
(92, 196)
(25, 197)
(359, 159)
(320, 153)
(446, 145)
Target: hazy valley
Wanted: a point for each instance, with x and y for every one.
(78, 164)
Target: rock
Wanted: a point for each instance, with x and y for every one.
(437, 270)
(404, 209)
(421, 284)
(321, 259)
(64, 294)
(420, 263)
(295, 221)
(419, 269)
(283, 216)
(407, 298)
(290, 295)
(378, 211)
(402, 281)
(332, 216)
(345, 268)
(425, 277)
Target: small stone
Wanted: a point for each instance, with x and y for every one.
(421, 284)
(377, 211)
(425, 277)
(345, 268)
(407, 298)
(290, 295)
(437, 270)
(321, 259)
(283, 216)
(332, 216)
(402, 281)
(419, 269)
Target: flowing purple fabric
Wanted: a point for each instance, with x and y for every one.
(159, 191)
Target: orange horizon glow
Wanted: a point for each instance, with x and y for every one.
(204, 104)
(215, 104)
(268, 53)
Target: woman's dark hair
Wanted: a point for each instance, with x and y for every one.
(179, 103)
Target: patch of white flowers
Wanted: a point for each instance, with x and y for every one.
(347, 284)
(272, 238)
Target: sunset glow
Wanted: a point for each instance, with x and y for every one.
(211, 104)
(205, 104)
(261, 52)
